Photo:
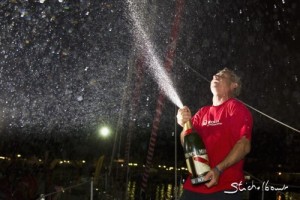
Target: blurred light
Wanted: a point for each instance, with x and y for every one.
(279, 173)
(19, 155)
(83, 161)
(120, 160)
(104, 131)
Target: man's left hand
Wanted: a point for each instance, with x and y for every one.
(213, 176)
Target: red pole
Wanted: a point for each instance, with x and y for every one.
(160, 100)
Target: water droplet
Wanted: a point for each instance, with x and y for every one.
(241, 11)
(79, 98)
(43, 14)
(22, 12)
(283, 1)
(293, 37)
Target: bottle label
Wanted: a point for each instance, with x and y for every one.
(201, 164)
(188, 131)
(193, 153)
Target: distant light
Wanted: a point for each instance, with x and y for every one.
(279, 173)
(104, 131)
(83, 161)
(120, 160)
(19, 155)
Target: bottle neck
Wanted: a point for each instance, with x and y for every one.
(188, 127)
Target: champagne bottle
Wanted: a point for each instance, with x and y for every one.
(195, 154)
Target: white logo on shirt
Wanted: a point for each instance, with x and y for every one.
(211, 123)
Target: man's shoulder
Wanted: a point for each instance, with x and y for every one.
(236, 105)
(204, 108)
(236, 102)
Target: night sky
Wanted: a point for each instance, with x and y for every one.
(68, 68)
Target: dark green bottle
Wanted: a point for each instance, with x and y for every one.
(195, 154)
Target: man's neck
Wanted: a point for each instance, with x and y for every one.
(218, 100)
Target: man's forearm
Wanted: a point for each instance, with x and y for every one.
(238, 152)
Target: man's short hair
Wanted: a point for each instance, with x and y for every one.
(234, 78)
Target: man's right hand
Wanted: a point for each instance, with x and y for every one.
(183, 115)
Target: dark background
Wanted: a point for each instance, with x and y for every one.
(68, 68)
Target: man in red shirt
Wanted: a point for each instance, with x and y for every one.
(225, 128)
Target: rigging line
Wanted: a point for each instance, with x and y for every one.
(188, 66)
(270, 117)
(62, 190)
(260, 112)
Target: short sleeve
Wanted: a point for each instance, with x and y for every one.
(241, 122)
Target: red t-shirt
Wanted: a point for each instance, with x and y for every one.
(220, 127)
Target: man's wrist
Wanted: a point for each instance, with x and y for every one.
(217, 169)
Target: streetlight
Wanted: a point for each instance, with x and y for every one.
(104, 131)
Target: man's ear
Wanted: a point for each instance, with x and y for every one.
(234, 85)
